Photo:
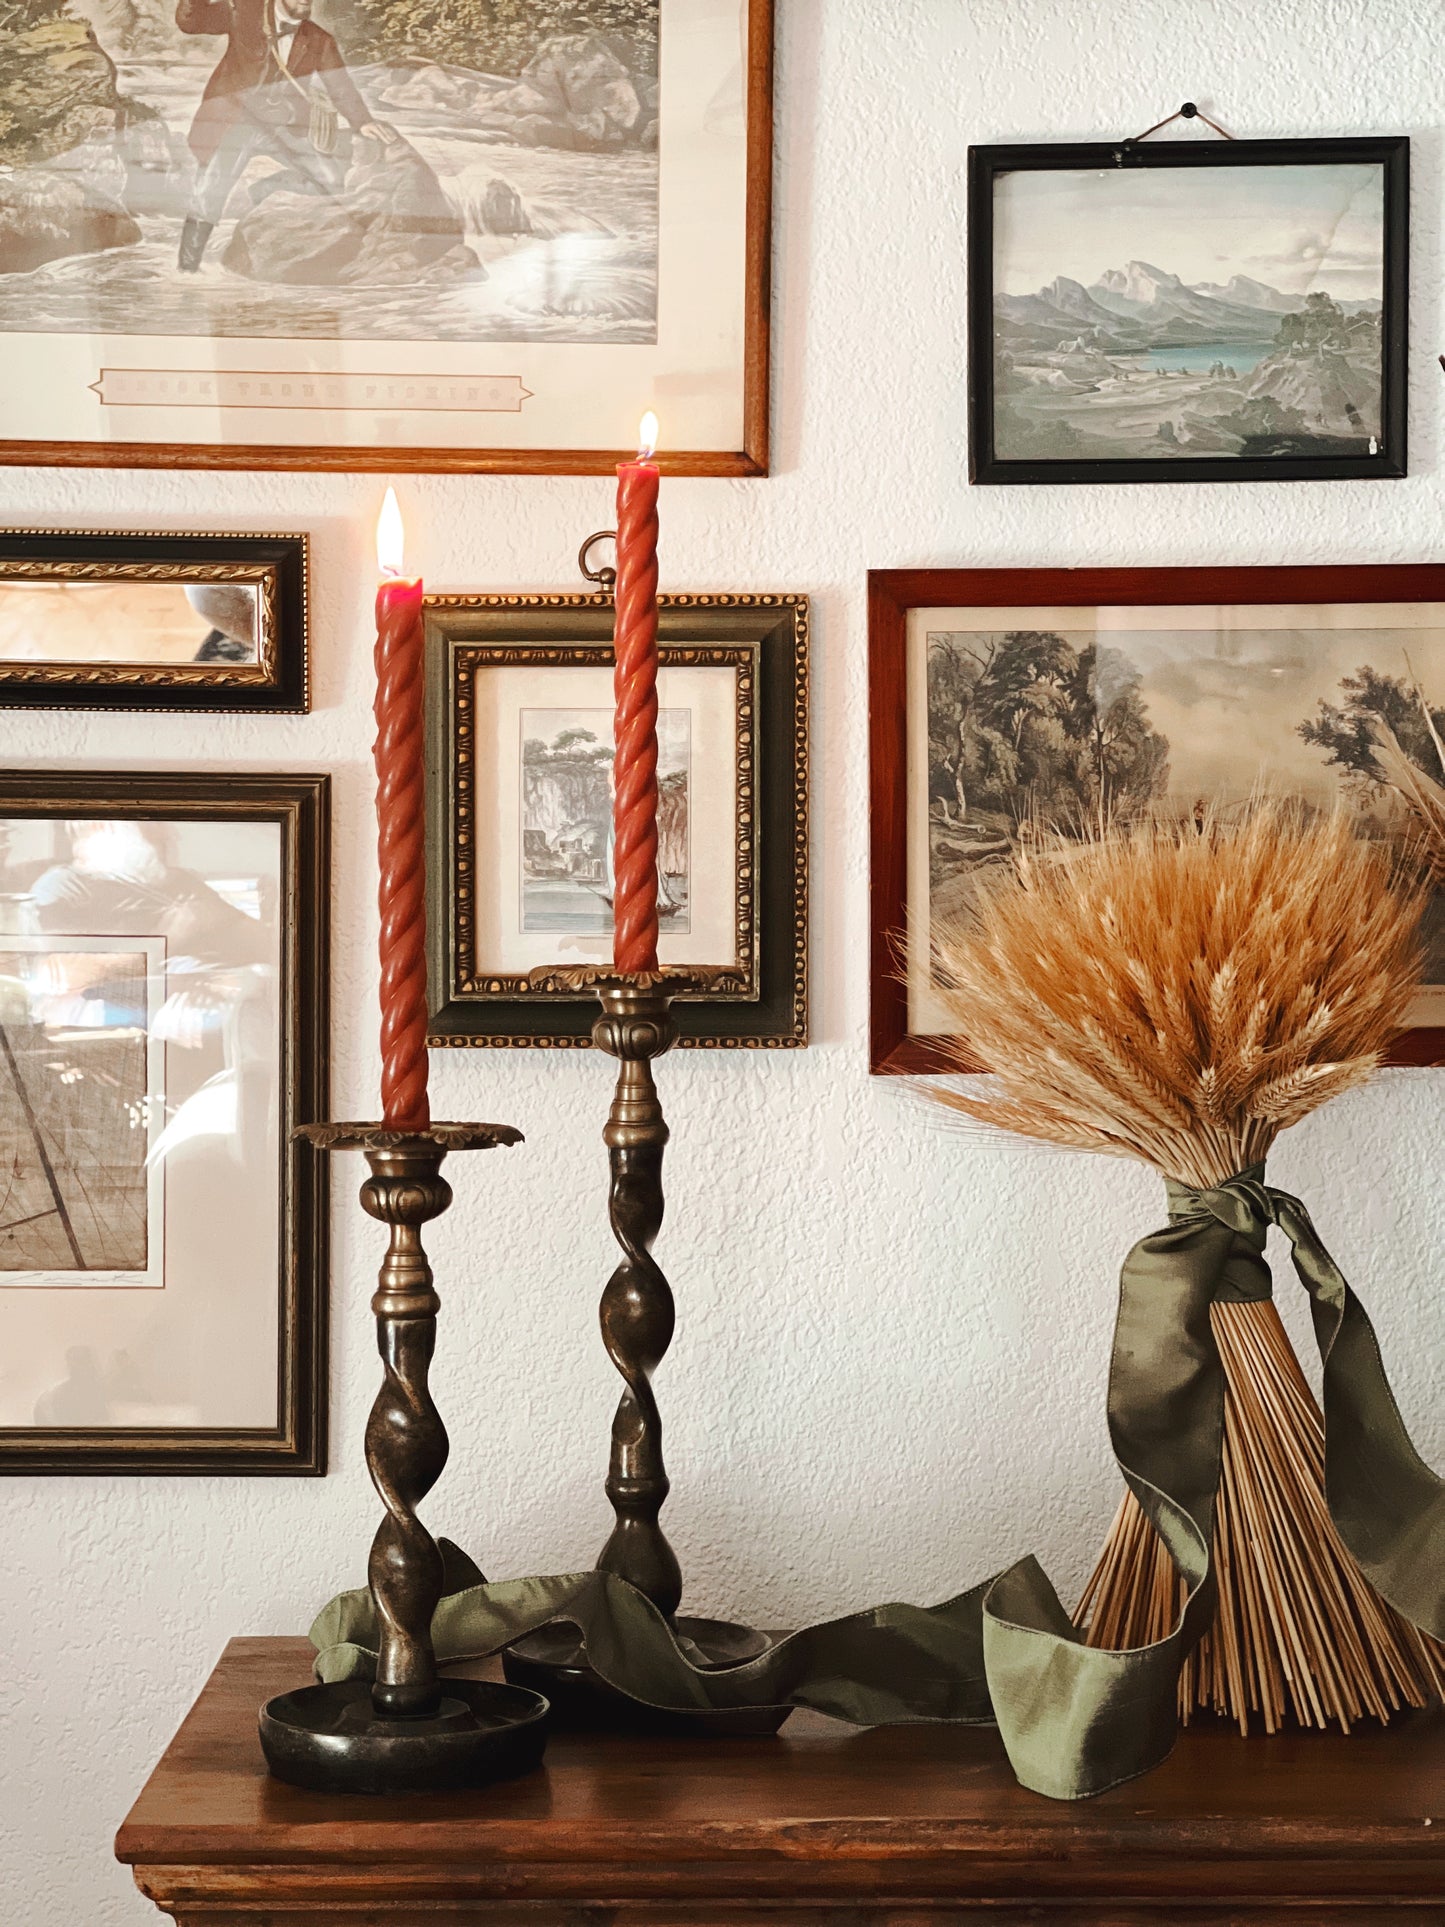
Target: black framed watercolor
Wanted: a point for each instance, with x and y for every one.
(1186, 311)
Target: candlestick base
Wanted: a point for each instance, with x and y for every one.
(330, 1738)
(552, 1662)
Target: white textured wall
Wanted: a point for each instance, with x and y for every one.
(889, 1368)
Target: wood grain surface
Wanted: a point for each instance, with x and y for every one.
(823, 1823)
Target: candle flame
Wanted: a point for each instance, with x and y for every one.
(647, 437)
(390, 536)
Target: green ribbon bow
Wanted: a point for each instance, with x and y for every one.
(1074, 1719)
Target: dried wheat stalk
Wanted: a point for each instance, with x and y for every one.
(1181, 994)
(1423, 796)
(1299, 1631)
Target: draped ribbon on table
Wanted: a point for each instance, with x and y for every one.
(1074, 1719)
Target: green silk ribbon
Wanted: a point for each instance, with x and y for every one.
(1074, 1719)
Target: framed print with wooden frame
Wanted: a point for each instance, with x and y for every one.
(152, 621)
(1006, 704)
(519, 701)
(359, 234)
(1188, 311)
(163, 1030)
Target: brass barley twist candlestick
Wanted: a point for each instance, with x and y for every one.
(637, 1317)
(409, 1730)
(637, 1312)
(406, 1442)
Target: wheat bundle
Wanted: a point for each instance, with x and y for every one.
(1181, 994)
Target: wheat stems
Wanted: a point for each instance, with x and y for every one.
(1298, 1630)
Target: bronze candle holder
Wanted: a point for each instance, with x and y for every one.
(408, 1730)
(637, 1317)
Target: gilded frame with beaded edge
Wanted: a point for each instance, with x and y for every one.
(756, 996)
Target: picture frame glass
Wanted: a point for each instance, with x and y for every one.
(539, 858)
(369, 235)
(145, 621)
(1029, 719)
(141, 1064)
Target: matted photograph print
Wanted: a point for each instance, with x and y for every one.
(384, 233)
(1119, 694)
(81, 1182)
(566, 797)
(1188, 310)
(162, 1012)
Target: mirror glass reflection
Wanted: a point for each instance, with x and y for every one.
(129, 622)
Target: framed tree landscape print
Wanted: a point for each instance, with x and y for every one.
(364, 234)
(1188, 311)
(1013, 706)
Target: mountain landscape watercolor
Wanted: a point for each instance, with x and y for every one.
(1172, 312)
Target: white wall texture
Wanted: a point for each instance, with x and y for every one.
(889, 1368)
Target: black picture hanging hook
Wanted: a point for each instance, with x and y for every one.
(1189, 111)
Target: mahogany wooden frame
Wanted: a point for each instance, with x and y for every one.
(892, 593)
(753, 458)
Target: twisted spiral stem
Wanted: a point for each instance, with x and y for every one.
(406, 1442)
(638, 1315)
(637, 1310)
(401, 825)
(406, 1450)
(634, 809)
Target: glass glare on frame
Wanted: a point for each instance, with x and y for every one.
(62, 620)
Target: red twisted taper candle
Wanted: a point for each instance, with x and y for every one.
(634, 801)
(400, 800)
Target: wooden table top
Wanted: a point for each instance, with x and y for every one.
(822, 1808)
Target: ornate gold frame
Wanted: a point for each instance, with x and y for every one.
(276, 565)
(758, 1002)
(741, 980)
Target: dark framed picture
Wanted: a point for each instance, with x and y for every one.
(519, 697)
(151, 621)
(1009, 703)
(163, 1030)
(354, 234)
(1188, 311)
